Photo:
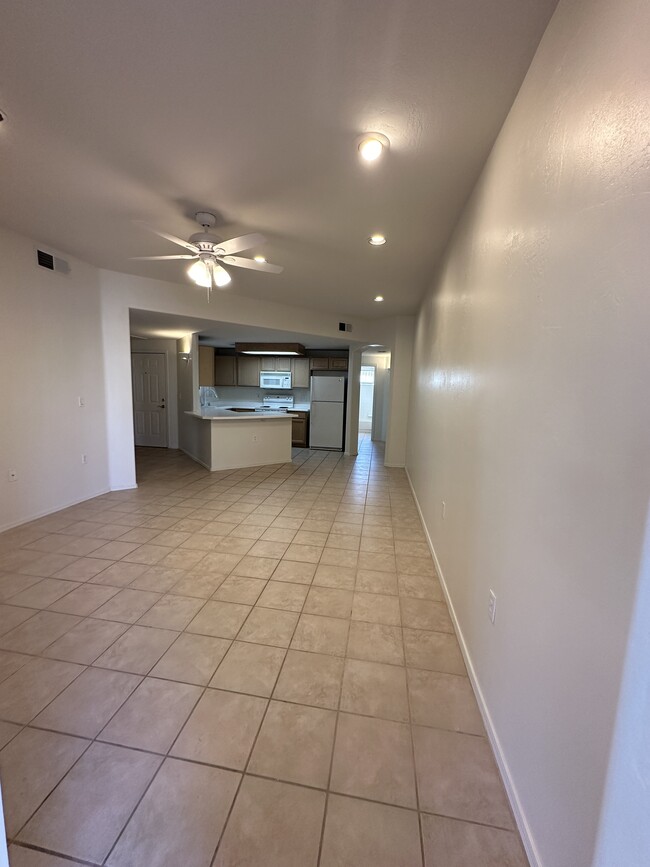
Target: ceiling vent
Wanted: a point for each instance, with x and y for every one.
(51, 262)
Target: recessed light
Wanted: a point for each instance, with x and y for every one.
(379, 297)
(371, 145)
(376, 240)
(260, 259)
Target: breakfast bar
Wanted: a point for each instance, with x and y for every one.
(228, 439)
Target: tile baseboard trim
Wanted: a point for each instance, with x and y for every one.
(506, 776)
(27, 519)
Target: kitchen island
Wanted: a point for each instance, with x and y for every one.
(227, 439)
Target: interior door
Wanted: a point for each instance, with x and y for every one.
(149, 378)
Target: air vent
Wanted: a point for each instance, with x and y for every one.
(52, 263)
(345, 326)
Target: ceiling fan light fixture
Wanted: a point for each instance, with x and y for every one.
(260, 259)
(377, 240)
(379, 297)
(371, 146)
(199, 274)
(221, 276)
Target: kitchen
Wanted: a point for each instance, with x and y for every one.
(257, 381)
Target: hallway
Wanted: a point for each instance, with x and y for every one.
(252, 667)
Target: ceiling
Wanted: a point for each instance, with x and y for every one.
(152, 110)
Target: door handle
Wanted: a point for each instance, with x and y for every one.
(161, 406)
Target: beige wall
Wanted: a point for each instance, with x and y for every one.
(530, 416)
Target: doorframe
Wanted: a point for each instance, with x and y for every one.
(172, 385)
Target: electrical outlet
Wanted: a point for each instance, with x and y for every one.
(492, 607)
(82, 401)
(444, 510)
(254, 438)
(84, 459)
(12, 475)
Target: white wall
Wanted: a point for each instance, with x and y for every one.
(50, 355)
(530, 416)
(401, 354)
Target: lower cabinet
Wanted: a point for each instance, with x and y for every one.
(299, 429)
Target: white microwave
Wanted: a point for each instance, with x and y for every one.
(275, 379)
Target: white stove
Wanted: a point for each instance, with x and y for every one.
(276, 403)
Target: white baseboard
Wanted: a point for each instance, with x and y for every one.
(43, 514)
(194, 458)
(508, 782)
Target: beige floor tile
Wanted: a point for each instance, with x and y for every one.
(86, 812)
(409, 565)
(84, 600)
(250, 668)
(11, 662)
(425, 614)
(377, 546)
(457, 777)
(269, 626)
(420, 587)
(274, 824)
(139, 535)
(310, 537)
(233, 545)
(152, 716)
(339, 557)
(303, 553)
(373, 759)
(256, 567)
(413, 549)
(44, 593)
(335, 576)
(311, 679)
(82, 569)
(119, 574)
(171, 538)
(127, 606)
(34, 635)
(238, 588)
(375, 689)
(147, 555)
(8, 732)
(192, 658)
(26, 692)
(219, 619)
(158, 579)
(137, 650)
(284, 595)
(328, 602)
(47, 565)
(278, 534)
(458, 844)
(376, 642)
(84, 707)
(362, 833)
(444, 701)
(180, 819)
(172, 612)
(85, 641)
(236, 717)
(199, 585)
(343, 542)
(219, 563)
(20, 856)
(435, 651)
(377, 562)
(244, 531)
(321, 634)
(31, 765)
(295, 744)
(11, 584)
(274, 550)
(292, 571)
(376, 608)
(115, 550)
(369, 581)
(12, 616)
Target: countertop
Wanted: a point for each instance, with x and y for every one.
(221, 412)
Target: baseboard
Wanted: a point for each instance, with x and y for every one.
(36, 515)
(194, 458)
(399, 466)
(508, 782)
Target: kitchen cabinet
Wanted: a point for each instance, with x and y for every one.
(225, 371)
(332, 363)
(319, 363)
(269, 362)
(299, 428)
(300, 373)
(248, 370)
(206, 365)
(337, 363)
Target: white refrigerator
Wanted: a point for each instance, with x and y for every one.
(327, 412)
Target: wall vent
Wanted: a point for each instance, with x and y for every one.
(51, 262)
(345, 326)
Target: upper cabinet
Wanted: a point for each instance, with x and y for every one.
(300, 373)
(269, 362)
(248, 370)
(206, 365)
(319, 363)
(225, 371)
(336, 363)
(331, 363)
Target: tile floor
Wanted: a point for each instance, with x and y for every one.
(251, 668)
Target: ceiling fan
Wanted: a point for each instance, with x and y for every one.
(210, 252)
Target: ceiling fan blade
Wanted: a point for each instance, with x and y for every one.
(152, 258)
(242, 262)
(171, 238)
(244, 242)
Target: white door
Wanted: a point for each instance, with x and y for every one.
(149, 379)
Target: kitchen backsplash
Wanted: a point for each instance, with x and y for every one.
(214, 396)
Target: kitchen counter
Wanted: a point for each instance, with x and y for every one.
(252, 439)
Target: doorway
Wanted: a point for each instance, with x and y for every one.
(149, 382)
(366, 397)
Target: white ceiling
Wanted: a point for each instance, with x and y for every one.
(154, 109)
